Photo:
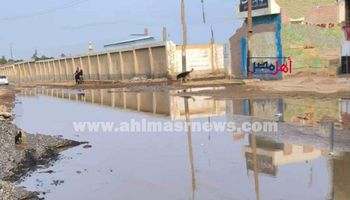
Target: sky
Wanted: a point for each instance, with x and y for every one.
(53, 27)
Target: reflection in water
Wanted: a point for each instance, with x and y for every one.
(155, 103)
(340, 168)
(279, 168)
(190, 149)
(254, 155)
(298, 111)
(271, 154)
(345, 113)
(264, 155)
(307, 111)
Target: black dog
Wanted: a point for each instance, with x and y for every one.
(184, 75)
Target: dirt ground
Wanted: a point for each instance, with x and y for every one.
(17, 160)
(6, 97)
(318, 87)
(130, 84)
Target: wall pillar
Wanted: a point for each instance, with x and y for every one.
(35, 73)
(66, 67)
(90, 67)
(99, 71)
(51, 73)
(74, 65)
(45, 71)
(30, 74)
(60, 69)
(136, 63)
(9, 69)
(121, 65)
(110, 66)
(41, 72)
(151, 60)
(81, 64)
(21, 72)
(54, 70)
(51, 70)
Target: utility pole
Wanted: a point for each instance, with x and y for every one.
(249, 37)
(165, 34)
(11, 51)
(203, 11)
(347, 66)
(213, 51)
(184, 36)
(346, 34)
(90, 48)
(146, 32)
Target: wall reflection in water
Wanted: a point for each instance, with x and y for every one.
(163, 103)
(304, 111)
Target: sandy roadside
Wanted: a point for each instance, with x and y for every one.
(322, 85)
(317, 87)
(18, 161)
(156, 84)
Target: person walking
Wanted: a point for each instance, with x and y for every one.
(76, 75)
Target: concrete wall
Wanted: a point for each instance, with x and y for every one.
(203, 59)
(158, 61)
(149, 61)
(266, 42)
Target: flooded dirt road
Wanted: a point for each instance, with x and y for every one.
(185, 164)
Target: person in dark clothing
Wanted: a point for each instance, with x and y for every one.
(18, 137)
(76, 75)
(81, 76)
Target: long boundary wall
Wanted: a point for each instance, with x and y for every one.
(158, 60)
(149, 61)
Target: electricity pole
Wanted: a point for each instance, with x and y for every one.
(213, 51)
(250, 34)
(11, 51)
(203, 12)
(184, 36)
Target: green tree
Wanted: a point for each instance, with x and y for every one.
(35, 55)
(3, 60)
(43, 57)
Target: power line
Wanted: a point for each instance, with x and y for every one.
(44, 12)
(95, 24)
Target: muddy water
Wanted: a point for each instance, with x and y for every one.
(182, 165)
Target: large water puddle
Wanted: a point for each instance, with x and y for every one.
(184, 164)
